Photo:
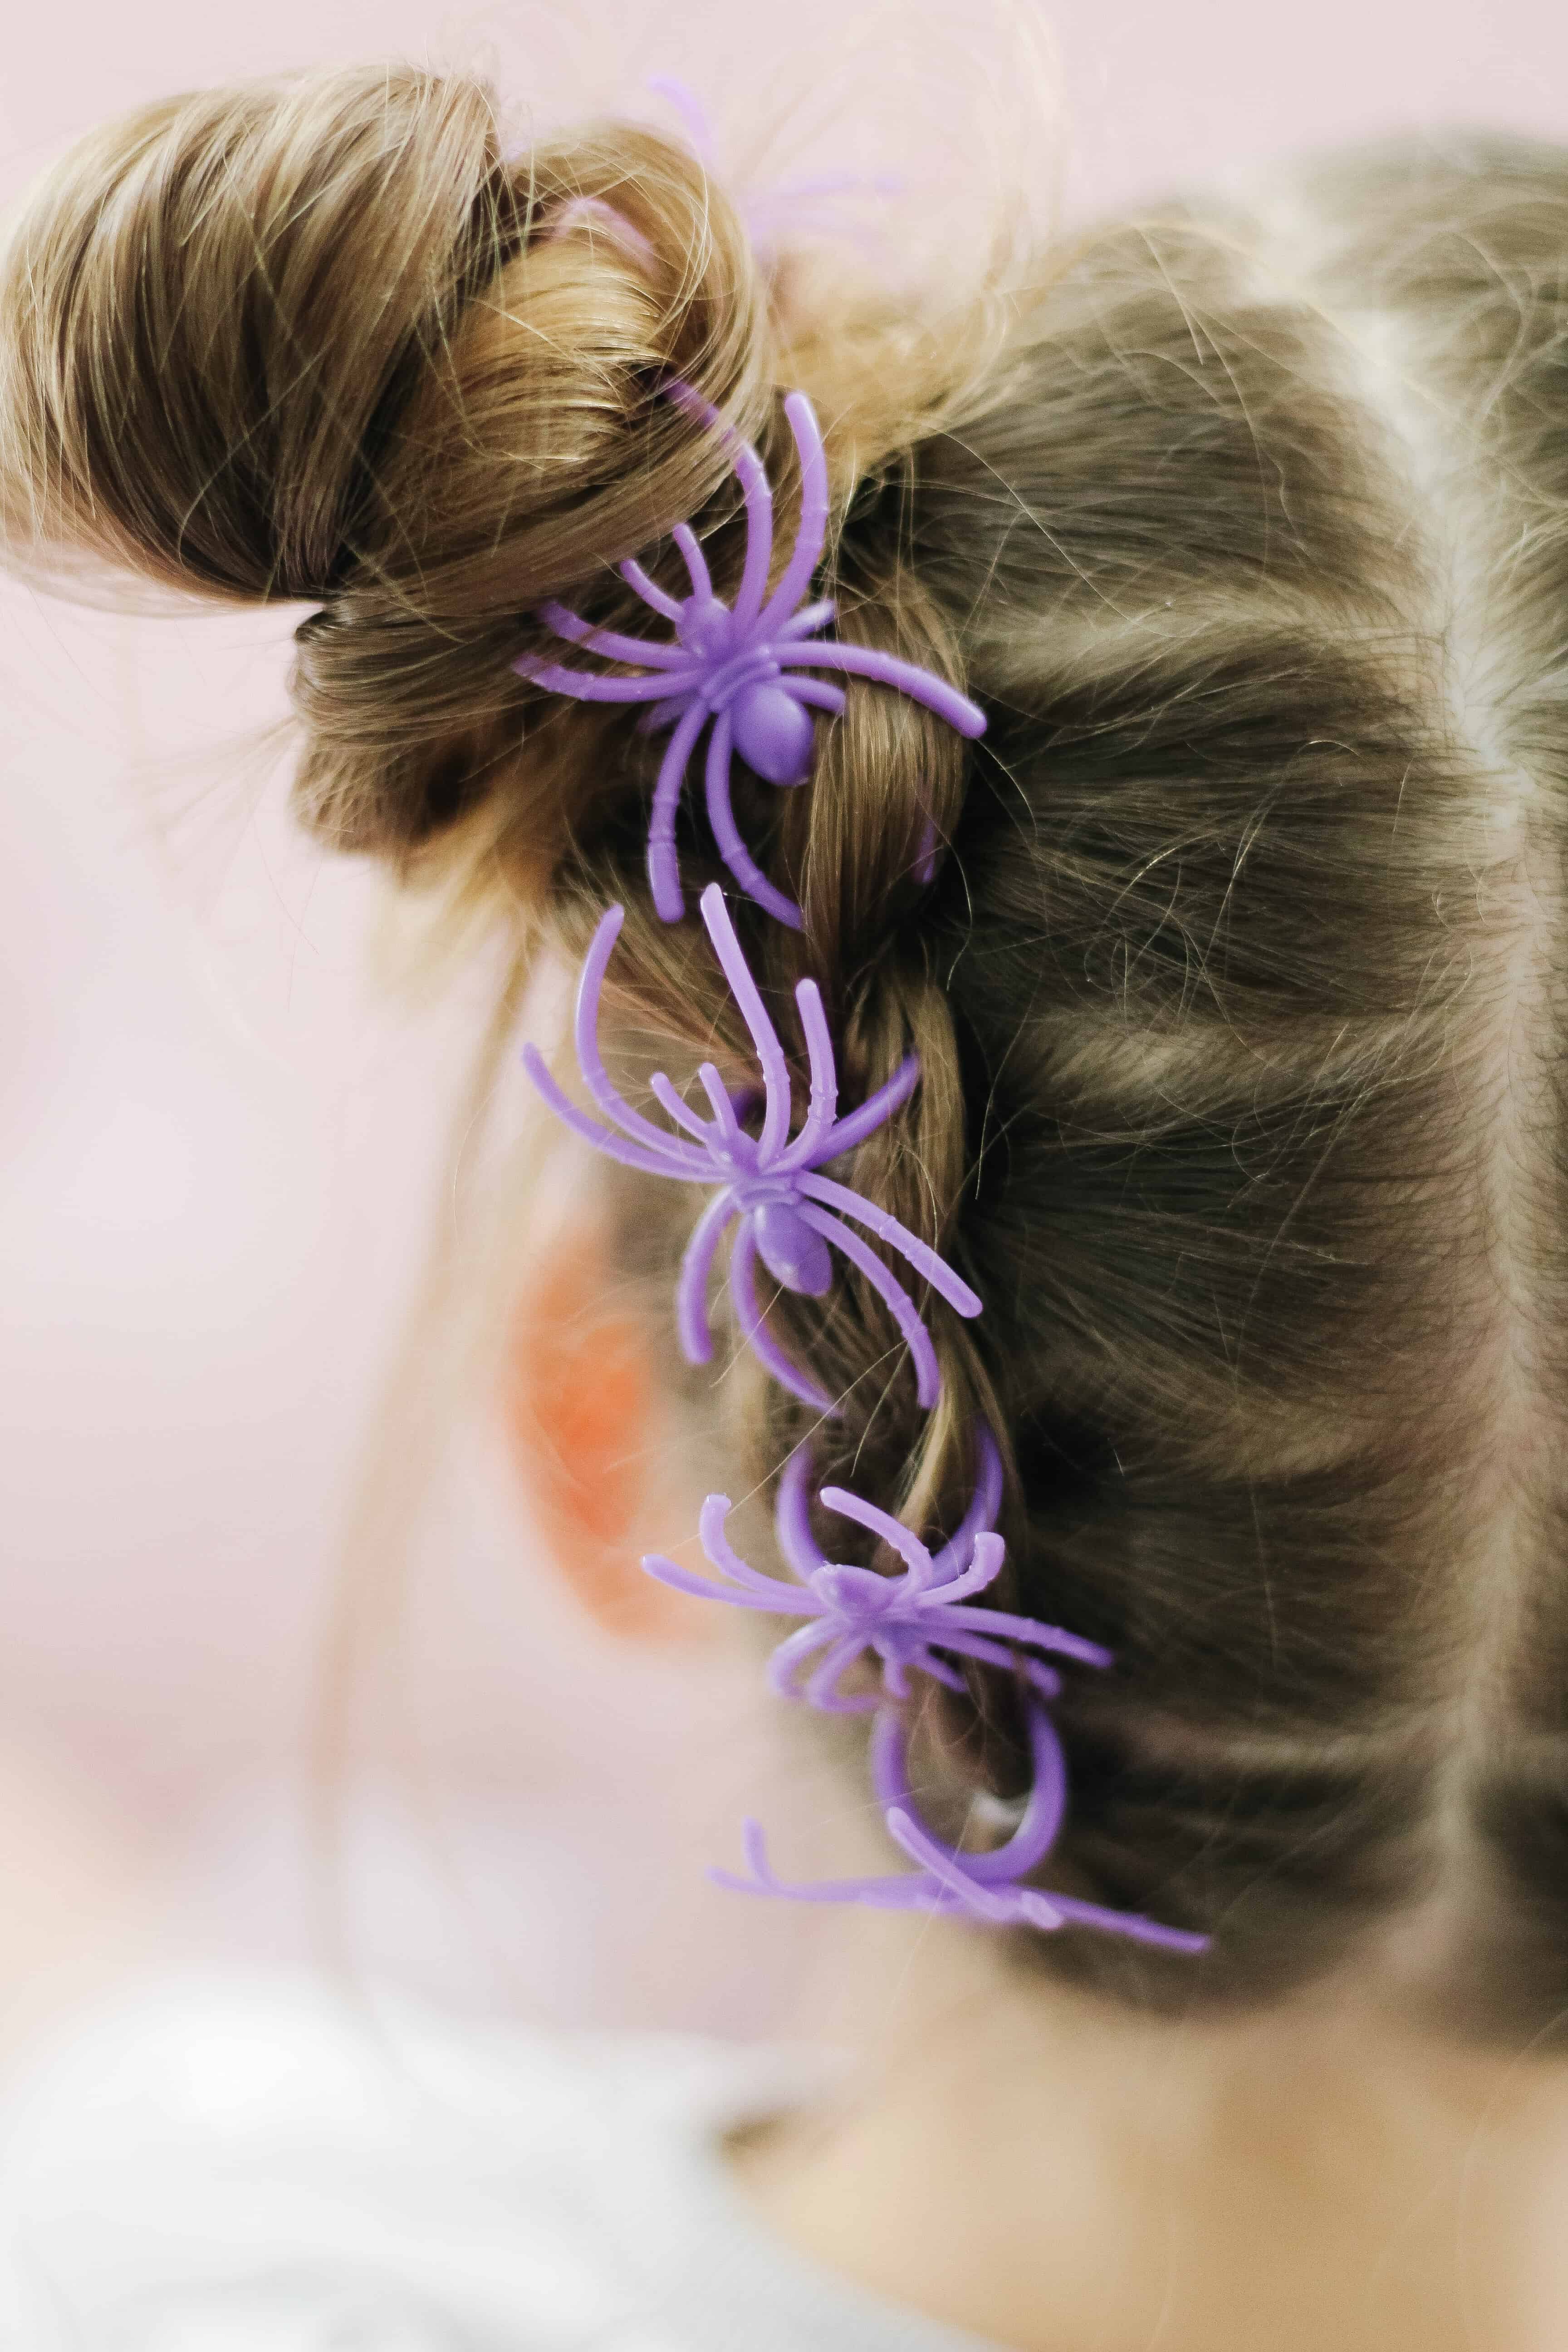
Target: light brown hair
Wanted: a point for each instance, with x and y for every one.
(1236, 994)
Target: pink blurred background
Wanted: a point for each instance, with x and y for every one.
(219, 1145)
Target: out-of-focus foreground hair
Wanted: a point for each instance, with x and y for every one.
(1236, 992)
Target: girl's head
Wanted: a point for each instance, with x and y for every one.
(1233, 993)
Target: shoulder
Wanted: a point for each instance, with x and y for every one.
(204, 2147)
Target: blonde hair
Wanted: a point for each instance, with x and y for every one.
(1235, 993)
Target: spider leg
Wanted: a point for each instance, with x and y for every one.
(1037, 1832)
(764, 1036)
(683, 1115)
(696, 563)
(949, 1877)
(864, 661)
(984, 1505)
(782, 1678)
(757, 491)
(803, 624)
(873, 1113)
(940, 1671)
(822, 1691)
(663, 865)
(690, 107)
(726, 832)
(792, 1652)
(824, 1097)
(894, 1673)
(669, 608)
(593, 212)
(759, 1338)
(1030, 1841)
(925, 855)
(611, 642)
(990, 1653)
(703, 1587)
(1125, 1923)
(747, 467)
(792, 1516)
(696, 1268)
(586, 1037)
(899, 1893)
(587, 686)
(889, 1761)
(787, 1599)
(987, 1553)
(815, 691)
(925, 1261)
(761, 1881)
(895, 1297)
(726, 1119)
(811, 530)
(665, 714)
(892, 1531)
(1018, 1629)
(652, 1162)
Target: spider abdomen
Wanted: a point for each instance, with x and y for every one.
(793, 1253)
(772, 732)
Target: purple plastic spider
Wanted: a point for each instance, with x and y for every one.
(795, 207)
(733, 665)
(788, 1214)
(903, 1620)
(948, 1882)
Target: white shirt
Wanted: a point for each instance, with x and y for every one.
(274, 2170)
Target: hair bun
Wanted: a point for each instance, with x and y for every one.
(320, 338)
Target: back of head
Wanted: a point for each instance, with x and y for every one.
(1233, 994)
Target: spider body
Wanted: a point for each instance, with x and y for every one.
(771, 726)
(773, 733)
(737, 669)
(904, 1622)
(786, 1244)
(949, 1881)
(769, 1186)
